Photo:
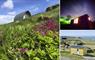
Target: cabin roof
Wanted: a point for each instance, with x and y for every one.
(78, 46)
(18, 16)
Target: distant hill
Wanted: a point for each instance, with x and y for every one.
(52, 7)
(84, 37)
(86, 40)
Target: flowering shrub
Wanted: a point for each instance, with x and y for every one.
(47, 25)
(21, 42)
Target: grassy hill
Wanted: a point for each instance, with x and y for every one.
(34, 20)
(52, 13)
(20, 41)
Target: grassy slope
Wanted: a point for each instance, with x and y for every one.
(33, 20)
(70, 56)
(27, 24)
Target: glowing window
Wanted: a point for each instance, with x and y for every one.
(89, 18)
(76, 21)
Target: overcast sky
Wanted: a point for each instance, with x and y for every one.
(78, 33)
(10, 8)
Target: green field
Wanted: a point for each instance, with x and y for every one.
(70, 56)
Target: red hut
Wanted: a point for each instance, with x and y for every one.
(82, 22)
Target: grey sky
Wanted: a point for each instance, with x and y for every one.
(77, 33)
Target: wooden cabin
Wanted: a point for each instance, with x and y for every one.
(78, 50)
(82, 22)
(22, 16)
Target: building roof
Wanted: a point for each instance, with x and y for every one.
(78, 46)
(20, 16)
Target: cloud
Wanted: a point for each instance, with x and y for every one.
(36, 9)
(8, 4)
(12, 13)
(6, 19)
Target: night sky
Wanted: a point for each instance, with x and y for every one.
(77, 8)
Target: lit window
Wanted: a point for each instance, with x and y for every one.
(76, 21)
(89, 18)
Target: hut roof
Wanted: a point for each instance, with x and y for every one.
(20, 16)
(78, 46)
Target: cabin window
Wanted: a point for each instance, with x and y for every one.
(89, 18)
(76, 21)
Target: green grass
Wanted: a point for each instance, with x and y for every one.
(72, 57)
(14, 36)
